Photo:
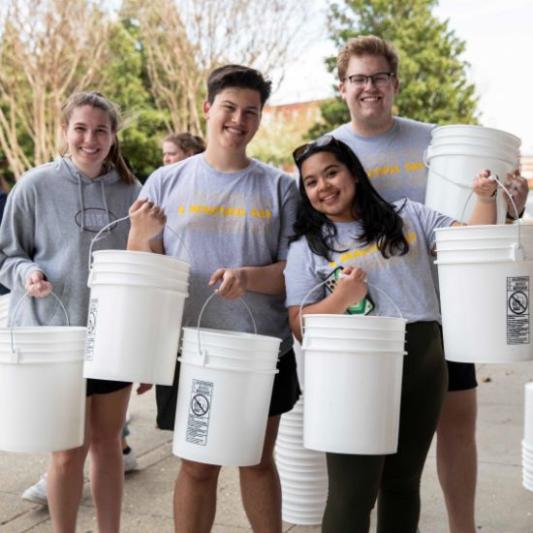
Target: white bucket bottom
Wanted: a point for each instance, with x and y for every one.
(221, 414)
(485, 307)
(133, 333)
(352, 401)
(42, 396)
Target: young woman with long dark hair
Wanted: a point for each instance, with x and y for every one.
(343, 222)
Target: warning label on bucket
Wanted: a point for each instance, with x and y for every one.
(518, 310)
(199, 411)
(91, 329)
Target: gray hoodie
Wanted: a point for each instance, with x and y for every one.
(51, 216)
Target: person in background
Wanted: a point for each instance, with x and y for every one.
(391, 150)
(179, 146)
(76, 196)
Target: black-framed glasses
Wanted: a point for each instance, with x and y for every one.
(304, 151)
(380, 79)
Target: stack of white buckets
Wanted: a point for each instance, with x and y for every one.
(302, 472)
(527, 443)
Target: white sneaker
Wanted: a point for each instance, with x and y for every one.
(37, 493)
(129, 461)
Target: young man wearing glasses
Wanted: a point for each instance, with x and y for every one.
(391, 149)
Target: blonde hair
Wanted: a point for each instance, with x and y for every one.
(98, 101)
(366, 45)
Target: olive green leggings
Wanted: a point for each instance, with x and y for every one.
(355, 481)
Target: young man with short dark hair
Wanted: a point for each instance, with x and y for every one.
(234, 216)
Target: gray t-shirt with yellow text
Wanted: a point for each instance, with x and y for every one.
(227, 220)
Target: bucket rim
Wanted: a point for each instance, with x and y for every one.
(226, 333)
(356, 352)
(353, 317)
(476, 128)
(140, 253)
(42, 329)
(243, 370)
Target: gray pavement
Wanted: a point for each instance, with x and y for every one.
(503, 505)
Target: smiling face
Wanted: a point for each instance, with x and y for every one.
(370, 106)
(233, 118)
(330, 186)
(89, 137)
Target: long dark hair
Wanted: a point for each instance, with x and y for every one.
(380, 221)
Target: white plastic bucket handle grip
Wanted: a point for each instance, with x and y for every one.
(107, 226)
(15, 356)
(203, 352)
(518, 254)
(304, 300)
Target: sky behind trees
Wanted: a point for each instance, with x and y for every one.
(498, 47)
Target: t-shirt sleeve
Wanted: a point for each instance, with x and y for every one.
(301, 275)
(152, 188)
(288, 207)
(429, 220)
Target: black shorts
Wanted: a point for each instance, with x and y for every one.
(461, 376)
(103, 386)
(285, 393)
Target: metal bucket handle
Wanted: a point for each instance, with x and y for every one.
(203, 352)
(517, 252)
(15, 354)
(375, 287)
(107, 226)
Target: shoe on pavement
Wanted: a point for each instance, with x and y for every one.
(37, 493)
(129, 460)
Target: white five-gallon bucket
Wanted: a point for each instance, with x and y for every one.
(135, 313)
(456, 155)
(223, 402)
(485, 276)
(42, 390)
(353, 383)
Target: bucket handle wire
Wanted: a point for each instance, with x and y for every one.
(517, 249)
(203, 352)
(375, 287)
(108, 226)
(15, 354)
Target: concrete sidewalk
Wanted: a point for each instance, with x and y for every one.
(503, 505)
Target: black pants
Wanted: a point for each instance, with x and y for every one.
(356, 481)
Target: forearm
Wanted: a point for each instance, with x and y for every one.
(265, 279)
(15, 270)
(484, 212)
(144, 245)
(333, 304)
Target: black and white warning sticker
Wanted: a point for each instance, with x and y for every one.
(518, 310)
(199, 412)
(91, 329)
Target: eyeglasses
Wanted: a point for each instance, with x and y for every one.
(380, 79)
(304, 151)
